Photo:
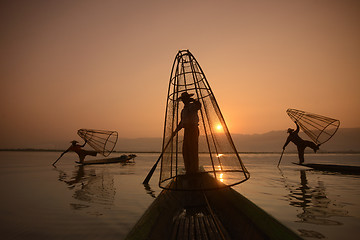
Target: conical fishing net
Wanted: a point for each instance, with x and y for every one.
(319, 128)
(102, 141)
(214, 152)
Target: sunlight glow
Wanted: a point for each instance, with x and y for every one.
(219, 127)
(221, 177)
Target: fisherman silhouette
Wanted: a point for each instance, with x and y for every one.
(190, 121)
(78, 149)
(299, 142)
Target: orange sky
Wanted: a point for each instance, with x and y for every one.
(67, 65)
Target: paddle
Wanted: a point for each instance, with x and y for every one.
(147, 179)
(281, 157)
(58, 159)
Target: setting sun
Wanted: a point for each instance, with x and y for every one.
(219, 127)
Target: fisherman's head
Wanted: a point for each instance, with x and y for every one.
(290, 130)
(74, 142)
(185, 97)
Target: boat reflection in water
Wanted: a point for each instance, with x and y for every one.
(93, 188)
(316, 207)
(149, 190)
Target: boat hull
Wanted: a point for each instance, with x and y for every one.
(121, 159)
(213, 214)
(346, 169)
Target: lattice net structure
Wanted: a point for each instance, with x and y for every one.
(217, 155)
(319, 128)
(100, 140)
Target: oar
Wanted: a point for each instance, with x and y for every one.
(147, 179)
(281, 157)
(56, 160)
(60, 157)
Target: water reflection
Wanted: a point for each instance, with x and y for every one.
(93, 188)
(316, 207)
(149, 190)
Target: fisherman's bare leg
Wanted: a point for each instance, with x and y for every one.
(91, 153)
(301, 152)
(312, 145)
(82, 157)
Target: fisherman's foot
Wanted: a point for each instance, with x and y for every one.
(317, 148)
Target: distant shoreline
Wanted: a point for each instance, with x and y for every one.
(59, 150)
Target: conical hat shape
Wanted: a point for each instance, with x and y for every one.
(319, 128)
(217, 155)
(101, 141)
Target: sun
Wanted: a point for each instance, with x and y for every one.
(219, 127)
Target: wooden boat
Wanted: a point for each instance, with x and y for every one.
(213, 214)
(332, 168)
(122, 159)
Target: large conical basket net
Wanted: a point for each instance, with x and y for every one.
(216, 152)
(100, 140)
(319, 128)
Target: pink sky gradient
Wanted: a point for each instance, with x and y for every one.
(67, 65)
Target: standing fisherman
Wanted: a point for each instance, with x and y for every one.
(299, 142)
(190, 123)
(78, 149)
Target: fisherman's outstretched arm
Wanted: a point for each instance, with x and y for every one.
(297, 127)
(84, 143)
(286, 143)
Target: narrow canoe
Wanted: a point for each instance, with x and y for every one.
(214, 214)
(332, 168)
(122, 159)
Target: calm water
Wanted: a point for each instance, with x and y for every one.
(39, 201)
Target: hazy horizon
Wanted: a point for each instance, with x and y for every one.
(345, 140)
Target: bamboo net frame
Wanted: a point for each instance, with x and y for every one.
(101, 141)
(218, 156)
(319, 128)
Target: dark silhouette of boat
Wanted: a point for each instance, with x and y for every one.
(345, 169)
(122, 159)
(222, 213)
